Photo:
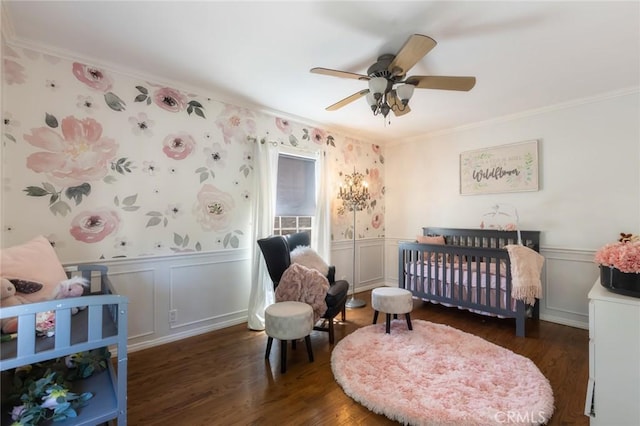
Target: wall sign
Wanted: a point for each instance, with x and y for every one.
(505, 168)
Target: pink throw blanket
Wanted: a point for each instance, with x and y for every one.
(301, 284)
(526, 267)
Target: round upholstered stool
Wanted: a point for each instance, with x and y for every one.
(392, 300)
(288, 321)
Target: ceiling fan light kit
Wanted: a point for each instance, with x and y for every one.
(389, 89)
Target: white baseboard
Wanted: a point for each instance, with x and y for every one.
(183, 335)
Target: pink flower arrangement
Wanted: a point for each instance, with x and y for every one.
(623, 255)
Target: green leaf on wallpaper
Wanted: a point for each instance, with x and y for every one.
(142, 89)
(131, 209)
(198, 246)
(225, 241)
(109, 179)
(196, 104)
(186, 241)
(177, 239)
(35, 191)
(199, 112)
(140, 98)
(51, 120)
(114, 102)
(77, 192)
(374, 203)
(149, 100)
(204, 176)
(239, 232)
(121, 166)
(154, 214)
(10, 137)
(54, 198)
(245, 170)
(60, 208)
(153, 221)
(130, 200)
(381, 159)
(331, 141)
(116, 201)
(165, 222)
(293, 140)
(49, 187)
(234, 242)
(305, 135)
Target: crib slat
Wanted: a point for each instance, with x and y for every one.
(63, 328)
(95, 323)
(26, 336)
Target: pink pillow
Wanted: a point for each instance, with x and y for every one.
(34, 261)
(438, 239)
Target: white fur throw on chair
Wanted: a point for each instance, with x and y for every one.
(306, 256)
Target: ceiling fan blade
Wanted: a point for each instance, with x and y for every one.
(347, 100)
(414, 49)
(442, 82)
(392, 100)
(337, 73)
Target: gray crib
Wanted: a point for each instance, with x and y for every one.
(102, 324)
(472, 270)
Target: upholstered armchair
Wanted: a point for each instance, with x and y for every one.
(277, 255)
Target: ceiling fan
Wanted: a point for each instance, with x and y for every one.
(389, 87)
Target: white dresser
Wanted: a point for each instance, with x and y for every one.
(613, 394)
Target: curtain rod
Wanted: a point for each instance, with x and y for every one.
(285, 146)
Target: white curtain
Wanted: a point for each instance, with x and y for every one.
(321, 231)
(264, 207)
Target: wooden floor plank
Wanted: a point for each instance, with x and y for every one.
(222, 378)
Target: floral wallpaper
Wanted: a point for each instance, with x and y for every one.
(107, 166)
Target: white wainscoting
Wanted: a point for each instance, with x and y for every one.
(209, 291)
(369, 266)
(567, 277)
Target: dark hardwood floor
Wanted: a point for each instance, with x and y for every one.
(222, 378)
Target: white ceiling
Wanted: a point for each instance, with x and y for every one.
(525, 55)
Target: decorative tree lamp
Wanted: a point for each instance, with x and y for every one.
(354, 194)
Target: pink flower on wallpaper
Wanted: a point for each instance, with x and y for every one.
(13, 72)
(283, 125)
(375, 182)
(349, 153)
(80, 155)
(377, 220)
(216, 156)
(169, 99)
(318, 136)
(375, 148)
(214, 207)
(92, 77)
(236, 124)
(92, 226)
(178, 146)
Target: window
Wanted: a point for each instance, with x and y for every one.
(295, 194)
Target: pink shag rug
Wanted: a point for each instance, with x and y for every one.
(438, 375)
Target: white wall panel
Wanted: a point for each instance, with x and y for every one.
(139, 286)
(568, 276)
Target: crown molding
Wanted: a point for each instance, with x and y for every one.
(523, 114)
(181, 85)
(6, 27)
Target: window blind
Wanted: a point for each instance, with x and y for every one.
(296, 190)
